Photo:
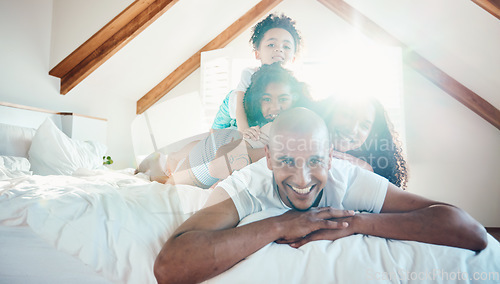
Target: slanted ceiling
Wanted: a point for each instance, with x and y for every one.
(107, 41)
(193, 63)
(140, 14)
(491, 6)
(451, 86)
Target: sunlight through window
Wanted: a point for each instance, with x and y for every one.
(354, 70)
(359, 70)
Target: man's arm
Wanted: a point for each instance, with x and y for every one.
(420, 219)
(209, 242)
(406, 216)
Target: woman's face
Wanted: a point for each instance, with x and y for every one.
(276, 98)
(351, 124)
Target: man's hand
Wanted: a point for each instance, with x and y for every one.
(325, 234)
(299, 226)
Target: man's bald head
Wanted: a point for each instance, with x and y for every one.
(299, 155)
(299, 121)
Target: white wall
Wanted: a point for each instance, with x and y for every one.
(25, 28)
(453, 153)
(25, 51)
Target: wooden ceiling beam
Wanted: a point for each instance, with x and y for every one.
(193, 63)
(451, 86)
(491, 6)
(107, 41)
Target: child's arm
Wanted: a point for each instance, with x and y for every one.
(241, 116)
(242, 121)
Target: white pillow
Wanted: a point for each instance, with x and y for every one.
(54, 153)
(15, 140)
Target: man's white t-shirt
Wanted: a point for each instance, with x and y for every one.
(348, 187)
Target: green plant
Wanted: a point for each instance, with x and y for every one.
(106, 160)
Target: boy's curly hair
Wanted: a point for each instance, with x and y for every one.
(275, 21)
(271, 73)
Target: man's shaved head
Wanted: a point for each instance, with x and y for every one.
(300, 157)
(299, 121)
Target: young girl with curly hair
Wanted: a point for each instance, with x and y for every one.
(274, 39)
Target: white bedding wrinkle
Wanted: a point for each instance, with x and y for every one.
(113, 222)
(15, 163)
(116, 223)
(6, 174)
(12, 167)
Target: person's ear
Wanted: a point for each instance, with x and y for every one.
(268, 157)
(257, 54)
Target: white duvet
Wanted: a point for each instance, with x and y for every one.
(116, 223)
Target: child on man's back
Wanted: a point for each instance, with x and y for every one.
(274, 39)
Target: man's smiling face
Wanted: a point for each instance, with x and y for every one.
(300, 163)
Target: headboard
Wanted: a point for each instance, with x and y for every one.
(18, 124)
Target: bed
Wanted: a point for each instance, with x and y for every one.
(72, 220)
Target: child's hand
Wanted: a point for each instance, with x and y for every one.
(252, 133)
(353, 160)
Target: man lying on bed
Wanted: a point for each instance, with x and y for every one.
(299, 173)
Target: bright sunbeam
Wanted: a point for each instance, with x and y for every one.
(355, 71)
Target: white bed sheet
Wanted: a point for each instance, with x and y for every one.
(25, 258)
(112, 221)
(116, 223)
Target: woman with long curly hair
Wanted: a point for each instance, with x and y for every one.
(363, 135)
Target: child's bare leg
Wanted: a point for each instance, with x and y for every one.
(158, 170)
(150, 162)
(155, 165)
(185, 175)
(256, 154)
(174, 158)
(145, 164)
(233, 156)
(195, 170)
(221, 166)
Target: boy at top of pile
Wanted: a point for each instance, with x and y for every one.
(274, 39)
